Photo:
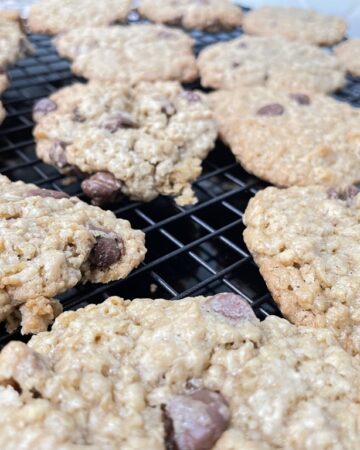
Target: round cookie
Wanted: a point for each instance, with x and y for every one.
(49, 243)
(211, 15)
(290, 138)
(199, 373)
(273, 62)
(141, 141)
(13, 42)
(348, 54)
(296, 24)
(57, 16)
(129, 54)
(306, 243)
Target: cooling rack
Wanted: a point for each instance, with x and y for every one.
(191, 250)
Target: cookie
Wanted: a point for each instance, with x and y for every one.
(57, 16)
(3, 82)
(129, 54)
(211, 15)
(348, 54)
(2, 113)
(290, 138)
(296, 24)
(306, 243)
(273, 62)
(49, 243)
(13, 42)
(199, 373)
(140, 142)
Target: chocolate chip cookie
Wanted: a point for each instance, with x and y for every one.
(348, 54)
(48, 244)
(194, 374)
(269, 61)
(291, 138)
(129, 54)
(139, 142)
(306, 242)
(296, 24)
(211, 15)
(57, 16)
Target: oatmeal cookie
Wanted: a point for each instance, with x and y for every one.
(194, 374)
(306, 243)
(291, 138)
(49, 243)
(211, 15)
(348, 54)
(130, 53)
(141, 141)
(272, 62)
(57, 16)
(13, 42)
(296, 24)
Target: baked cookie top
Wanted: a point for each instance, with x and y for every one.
(306, 243)
(129, 53)
(348, 53)
(141, 141)
(57, 16)
(13, 42)
(269, 61)
(212, 15)
(199, 373)
(296, 24)
(290, 138)
(50, 242)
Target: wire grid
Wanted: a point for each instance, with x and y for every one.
(191, 250)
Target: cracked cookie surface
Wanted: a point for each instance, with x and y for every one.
(130, 53)
(212, 15)
(50, 242)
(290, 138)
(297, 24)
(199, 373)
(57, 16)
(144, 141)
(348, 53)
(269, 61)
(306, 243)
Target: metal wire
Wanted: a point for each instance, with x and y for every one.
(191, 250)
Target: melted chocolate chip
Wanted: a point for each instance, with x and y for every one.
(170, 443)
(43, 107)
(231, 306)
(119, 120)
(235, 64)
(191, 96)
(197, 420)
(348, 194)
(302, 99)
(102, 187)
(274, 109)
(106, 251)
(44, 193)
(57, 154)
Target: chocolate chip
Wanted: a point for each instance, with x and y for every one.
(175, 21)
(231, 306)
(274, 109)
(106, 251)
(43, 107)
(302, 99)
(197, 420)
(234, 65)
(191, 96)
(44, 193)
(102, 187)
(170, 443)
(119, 120)
(57, 154)
(167, 35)
(348, 194)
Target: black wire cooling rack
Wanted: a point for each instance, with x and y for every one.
(191, 250)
